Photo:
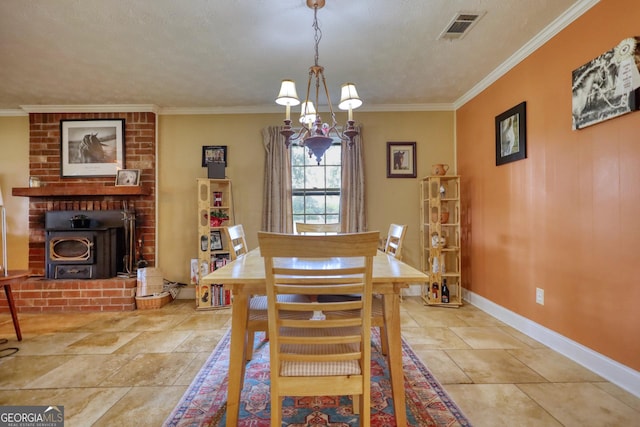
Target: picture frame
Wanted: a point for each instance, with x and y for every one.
(214, 153)
(91, 148)
(401, 160)
(607, 86)
(128, 178)
(511, 134)
(216, 240)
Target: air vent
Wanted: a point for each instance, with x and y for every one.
(460, 25)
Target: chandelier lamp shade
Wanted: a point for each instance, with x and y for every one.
(314, 134)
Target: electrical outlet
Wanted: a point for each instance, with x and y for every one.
(539, 296)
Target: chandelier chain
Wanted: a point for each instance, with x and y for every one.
(317, 33)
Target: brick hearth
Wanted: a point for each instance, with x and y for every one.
(38, 295)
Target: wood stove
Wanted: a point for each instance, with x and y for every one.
(94, 250)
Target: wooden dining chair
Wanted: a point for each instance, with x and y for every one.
(307, 228)
(393, 247)
(320, 357)
(257, 304)
(258, 319)
(395, 238)
(237, 240)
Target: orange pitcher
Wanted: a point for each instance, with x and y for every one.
(439, 169)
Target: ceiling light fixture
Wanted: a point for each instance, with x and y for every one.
(314, 134)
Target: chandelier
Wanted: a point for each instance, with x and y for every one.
(314, 134)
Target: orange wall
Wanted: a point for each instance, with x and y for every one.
(566, 219)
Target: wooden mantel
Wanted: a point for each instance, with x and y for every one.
(54, 190)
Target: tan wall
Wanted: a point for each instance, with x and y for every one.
(180, 149)
(566, 218)
(14, 172)
(180, 141)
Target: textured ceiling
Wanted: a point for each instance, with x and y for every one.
(230, 54)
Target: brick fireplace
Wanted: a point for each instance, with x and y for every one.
(85, 194)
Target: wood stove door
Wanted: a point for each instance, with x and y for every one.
(71, 247)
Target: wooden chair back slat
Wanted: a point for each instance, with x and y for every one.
(306, 228)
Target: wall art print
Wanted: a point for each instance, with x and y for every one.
(607, 86)
(401, 159)
(214, 153)
(511, 134)
(91, 147)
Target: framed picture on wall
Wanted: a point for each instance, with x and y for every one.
(128, 177)
(91, 147)
(607, 86)
(401, 159)
(214, 153)
(511, 134)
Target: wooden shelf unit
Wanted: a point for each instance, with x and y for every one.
(213, 195)
(440, 219)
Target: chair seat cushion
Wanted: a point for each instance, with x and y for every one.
(317, 369)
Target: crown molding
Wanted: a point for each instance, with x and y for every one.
(265, 109)
(390, 108)
(13, 113)
(560, 23)
(168, 111)
(109, 108)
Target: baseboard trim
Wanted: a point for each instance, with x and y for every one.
(615, 372)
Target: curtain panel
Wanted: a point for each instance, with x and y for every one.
(353, 215)
(277, 209)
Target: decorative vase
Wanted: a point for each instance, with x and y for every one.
(444, 217)
(217, 222)
(439, 169)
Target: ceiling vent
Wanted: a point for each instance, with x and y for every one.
(460, 25)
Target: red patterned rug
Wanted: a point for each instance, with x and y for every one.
(204, 402)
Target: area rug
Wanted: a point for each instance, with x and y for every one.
(204, 402)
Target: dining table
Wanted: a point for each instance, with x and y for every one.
(245, 277)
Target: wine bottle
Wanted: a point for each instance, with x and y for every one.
(445, 291)
(434, 292)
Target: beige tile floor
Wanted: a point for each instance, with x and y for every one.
(130, 369)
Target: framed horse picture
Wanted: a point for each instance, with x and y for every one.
(401, 159)
(91, 147)
(511, 134)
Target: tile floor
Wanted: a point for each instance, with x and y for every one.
(130, 369)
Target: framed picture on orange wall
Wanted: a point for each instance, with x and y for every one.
(511, 134)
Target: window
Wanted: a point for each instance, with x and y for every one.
(316, 188)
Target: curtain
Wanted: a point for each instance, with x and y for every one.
(277, 209)
(353, 215)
